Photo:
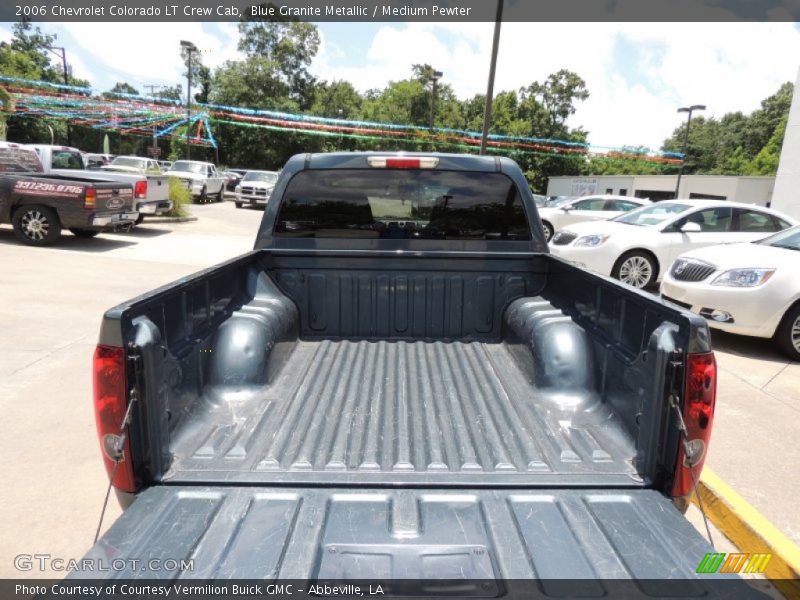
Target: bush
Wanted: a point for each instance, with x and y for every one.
(180, 197)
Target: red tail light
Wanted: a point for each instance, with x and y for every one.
(699, 398)
(140, 190)
(90, 199)
(110, 403)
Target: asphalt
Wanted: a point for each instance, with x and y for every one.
(51, 302)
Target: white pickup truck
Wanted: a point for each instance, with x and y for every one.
(150, 190)
(201, 178)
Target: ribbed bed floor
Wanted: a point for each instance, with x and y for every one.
(401, 412)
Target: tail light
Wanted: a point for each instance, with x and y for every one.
(386, 162)
(699, 398)
(110, 403)
(90, 199)
(140, 190)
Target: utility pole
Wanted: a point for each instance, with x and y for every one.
(153, 89)
(435, 76)
(690, 110)
(190, 48)
(61, 52)
(487, 107)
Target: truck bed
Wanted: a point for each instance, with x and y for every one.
(417, 411)
(511, 371)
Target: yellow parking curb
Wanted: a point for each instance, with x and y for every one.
(751, 532)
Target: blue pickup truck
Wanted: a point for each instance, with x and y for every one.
(399, 382)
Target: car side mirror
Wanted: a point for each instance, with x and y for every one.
(691, 227)
(566, 208)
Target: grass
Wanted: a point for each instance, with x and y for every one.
(180, 197)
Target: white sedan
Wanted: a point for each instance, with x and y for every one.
(586, 208)
(750, 289)
(637, 247)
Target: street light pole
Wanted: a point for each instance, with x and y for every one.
(487, 107)
(690, 110)
(153, 89)
(190, 47)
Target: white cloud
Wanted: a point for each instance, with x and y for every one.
(727, 66)
(155, 59)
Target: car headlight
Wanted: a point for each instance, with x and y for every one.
(743, 277)
(238, 189)
(591, 241)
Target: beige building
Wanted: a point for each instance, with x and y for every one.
(751, 190)
(786, 197)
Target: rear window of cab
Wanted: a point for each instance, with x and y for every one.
(402, 204)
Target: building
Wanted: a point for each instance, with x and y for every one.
(751, 190)
(786, 197)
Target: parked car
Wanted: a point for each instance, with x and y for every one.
(39, 206)
(587, 208)
(750, 288)
(95, 161)
(232, 179)
(150, 191)
(165, 165)
(201, 178)
(638, 246)
(348, 402)
(157, 201)
(255, 188)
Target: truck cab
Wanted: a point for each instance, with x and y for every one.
(202, 179)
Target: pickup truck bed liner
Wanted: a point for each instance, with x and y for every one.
(414, 410)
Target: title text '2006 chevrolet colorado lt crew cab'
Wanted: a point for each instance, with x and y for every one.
(399, 382)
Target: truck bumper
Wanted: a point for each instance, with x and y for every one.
(110, 220)
(158, 207)
(252, 200)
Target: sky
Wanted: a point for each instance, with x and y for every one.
(637, 74)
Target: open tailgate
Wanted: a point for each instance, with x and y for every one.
(389, 534)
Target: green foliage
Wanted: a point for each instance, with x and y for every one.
(736, 144)
(122, 87)
(180, 197)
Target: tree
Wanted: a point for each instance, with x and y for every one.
(736, 144)
(124, 88)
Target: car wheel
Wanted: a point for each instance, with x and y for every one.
(221, 195)
(787, 337)
(548, 230)
(83, 233)
(238, 204)
(36, 225)
(203, 198)
(140, 219)
(637, 269)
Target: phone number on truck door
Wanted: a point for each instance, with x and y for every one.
(43, 186)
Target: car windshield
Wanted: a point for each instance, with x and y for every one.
(260, 176)
(136, 163)
(789, 239)
(654, 214)
(189, 167)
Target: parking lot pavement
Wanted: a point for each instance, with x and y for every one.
(754, 445)
(51, 303)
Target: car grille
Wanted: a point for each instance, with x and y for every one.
(562, 238)
(254, 191)
(691, 270)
